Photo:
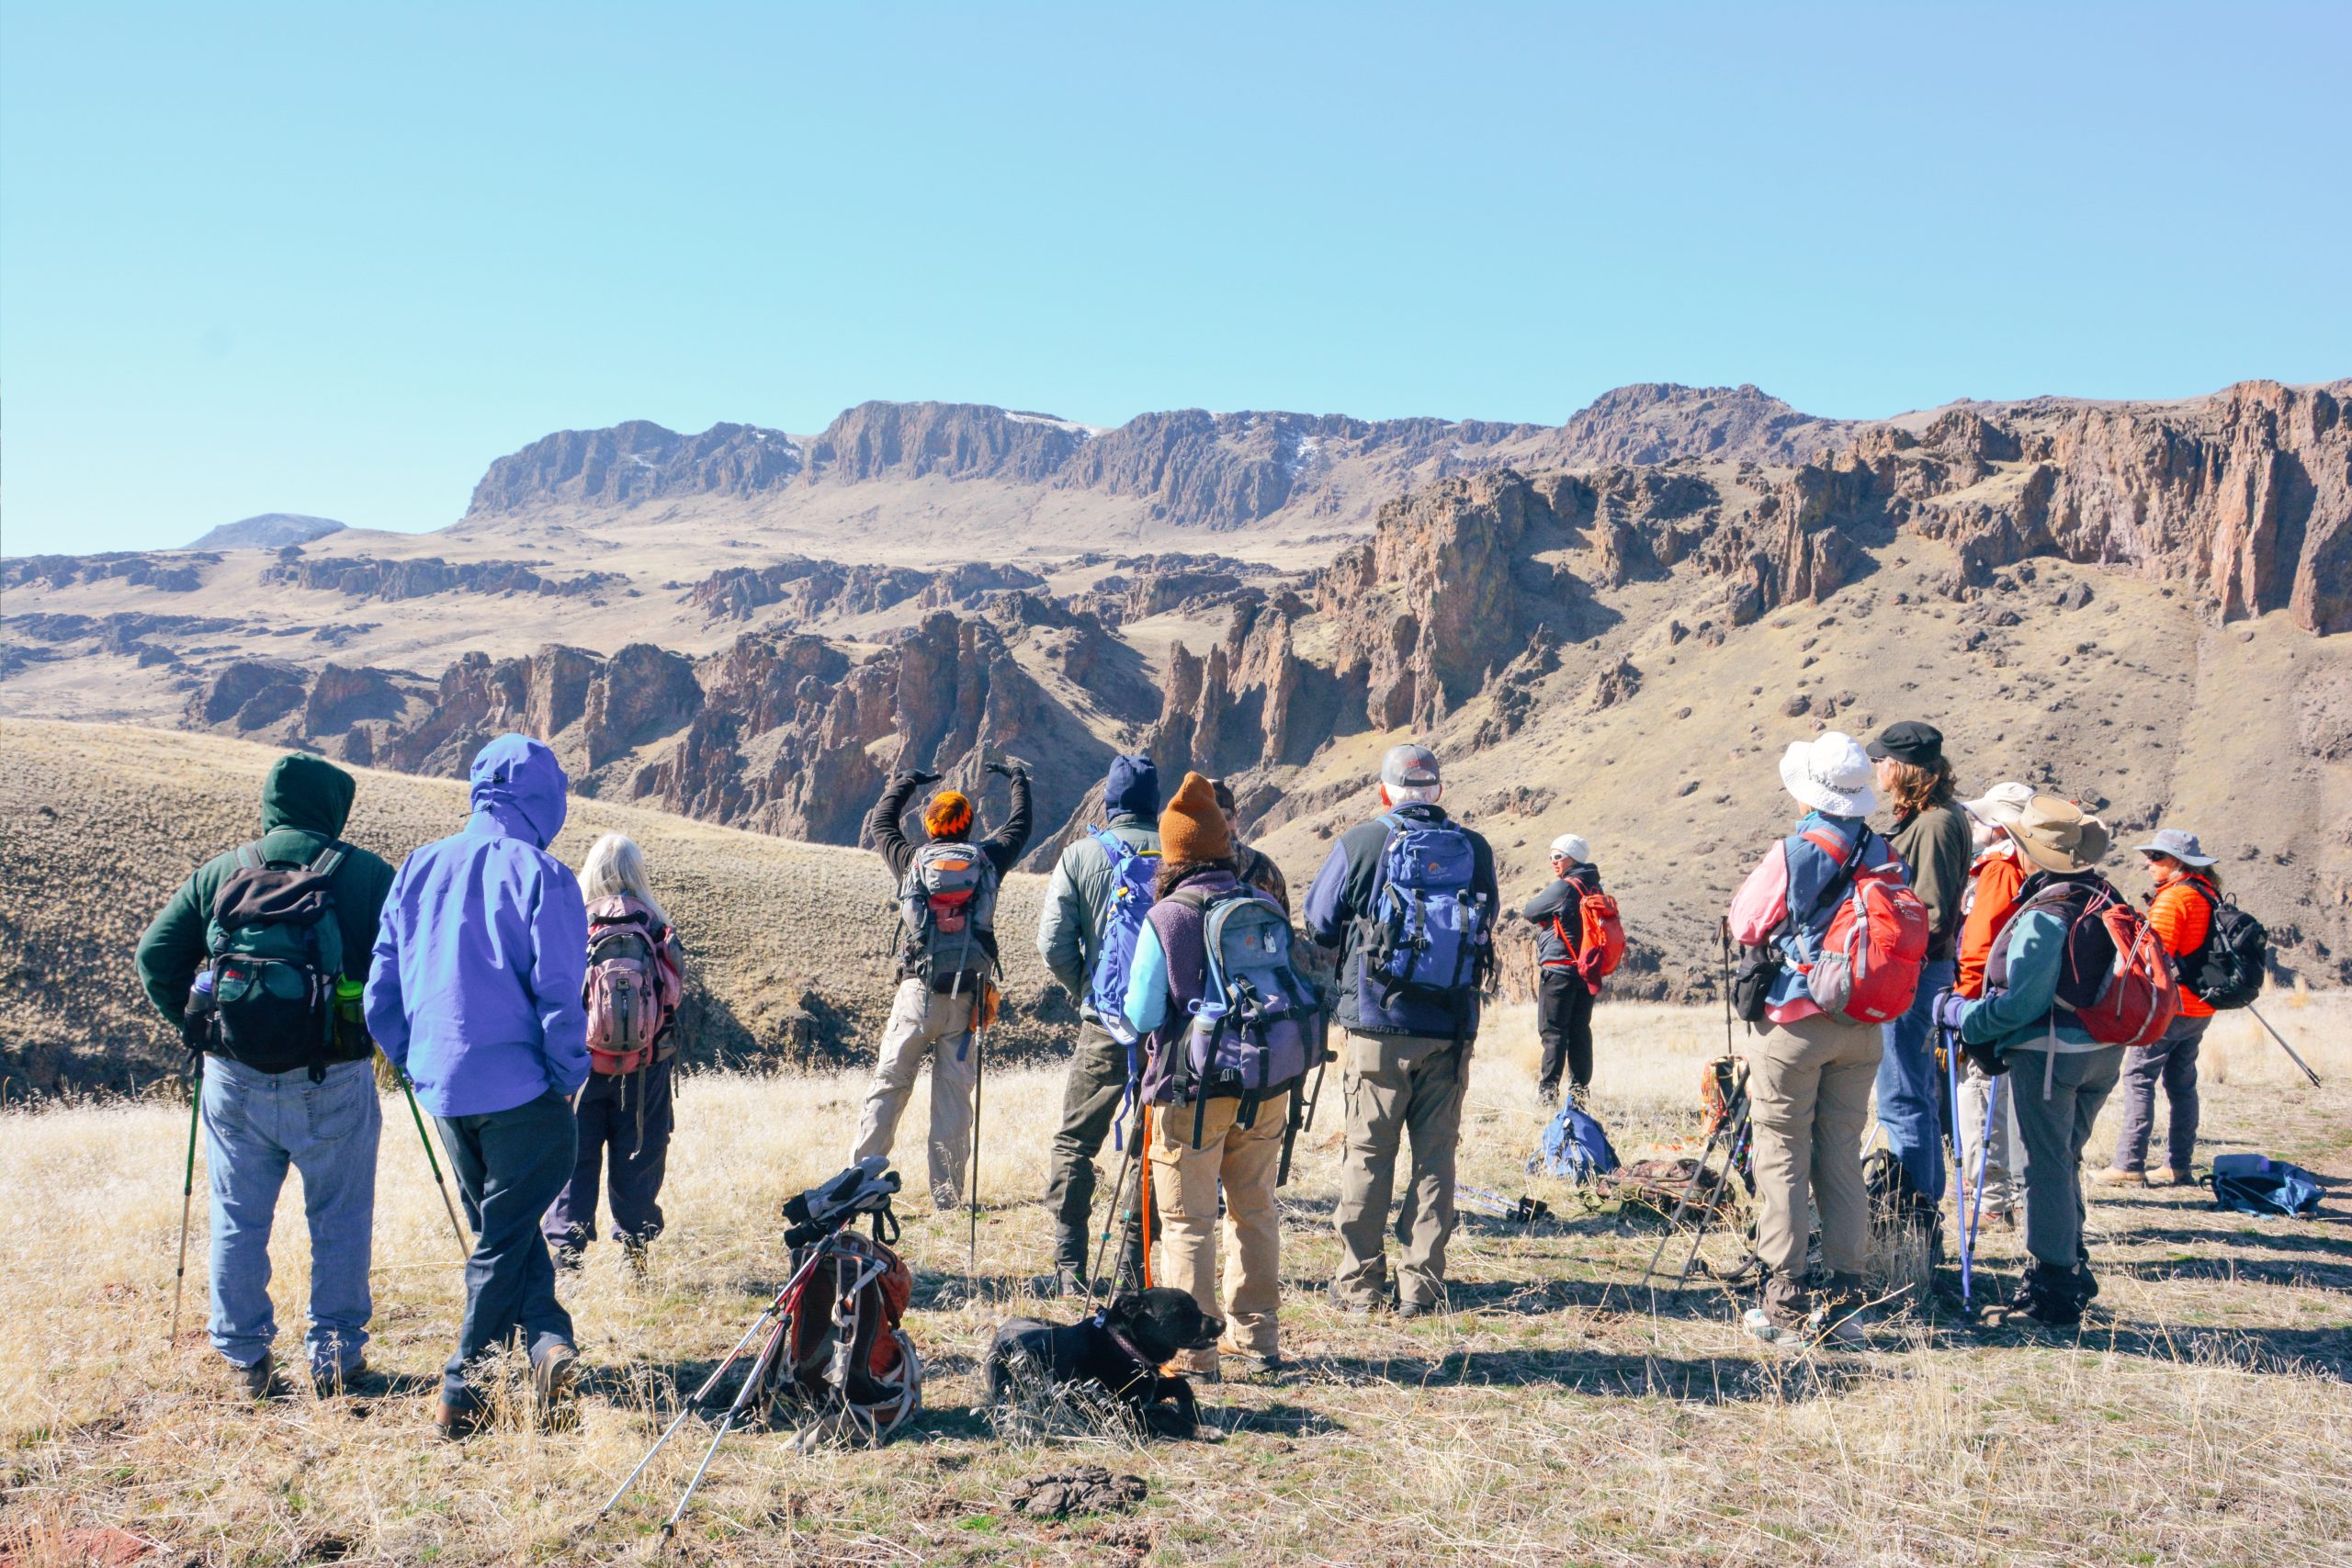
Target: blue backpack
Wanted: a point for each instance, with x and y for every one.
(1575, 1148)
(1427, 929)
(2255, 1184)
(1132, 873)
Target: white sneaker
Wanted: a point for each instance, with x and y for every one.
(1759, 1322)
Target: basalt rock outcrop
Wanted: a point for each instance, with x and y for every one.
(419, 576)
(634, 462)
(808, 589)
(176, 572)
(595, 710)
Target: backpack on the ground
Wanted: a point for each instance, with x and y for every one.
(2255, 1184)
(843, 1367)
(1132, 873)
(631, 987)
(1599, 946)
(1575, 1148)
(1260, 1025)
(947, 903)
(2114, 976)
(275, 950)
(2227, 969)
(1868, 968)
(1429, 929)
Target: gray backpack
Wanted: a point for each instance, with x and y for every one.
(948, 904)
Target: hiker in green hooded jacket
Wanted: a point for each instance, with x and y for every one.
(319, 1114)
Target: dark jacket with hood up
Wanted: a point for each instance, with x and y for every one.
(304, 803)
(483, 946)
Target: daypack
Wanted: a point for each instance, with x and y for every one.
(948, 904)
(2253, 1184)
(2227, 969)
(2114, 976)
(1259, 1025)
(842, 1363)
(1428, 928)
(1761, 966)
(1576, 1148)
(276, 952)
(1599, 946)
(631, 987)
(1868, 969)
(1132, 873)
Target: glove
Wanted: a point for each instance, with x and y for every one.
(1015, 769)
(1950, 1007)
(919, 776)
(1983, 1058)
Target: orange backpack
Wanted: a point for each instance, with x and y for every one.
(1600, 946)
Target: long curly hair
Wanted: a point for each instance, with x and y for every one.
(1173, 872)
(1915, 788)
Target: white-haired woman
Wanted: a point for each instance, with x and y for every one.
(631, 994)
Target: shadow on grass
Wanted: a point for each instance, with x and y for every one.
(1710, 1380)
(2238, 1229)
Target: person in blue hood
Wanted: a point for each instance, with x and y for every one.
(475, 994)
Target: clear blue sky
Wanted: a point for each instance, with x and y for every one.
(336, 258)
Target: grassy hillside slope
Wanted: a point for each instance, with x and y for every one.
(98, 825)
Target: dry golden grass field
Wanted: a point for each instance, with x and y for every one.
(1559, 1415)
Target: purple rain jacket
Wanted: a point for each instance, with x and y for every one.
(481, 948)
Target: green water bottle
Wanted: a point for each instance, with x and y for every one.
(350, 1019)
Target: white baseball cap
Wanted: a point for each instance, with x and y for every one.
(1573, 847)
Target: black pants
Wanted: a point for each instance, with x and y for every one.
(624, 1120)
(1563, 1017)
(509, 1165)
(1090, 1098)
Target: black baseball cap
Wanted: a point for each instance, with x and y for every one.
(1908, 742)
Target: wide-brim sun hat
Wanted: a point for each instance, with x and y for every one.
(2003, 805)
(1831, 773)
(2058, 835)
(2180, 845)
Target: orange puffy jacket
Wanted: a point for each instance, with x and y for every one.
(1994, 878)
(2181, 912)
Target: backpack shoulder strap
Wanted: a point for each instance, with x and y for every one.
(249, 857)
(327, 860)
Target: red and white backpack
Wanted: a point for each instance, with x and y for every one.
(632, 986)
(1868, 969)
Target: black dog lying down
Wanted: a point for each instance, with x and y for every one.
(1120, 1350)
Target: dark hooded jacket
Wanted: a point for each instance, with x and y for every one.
(483, 948)
(304, 803)
(886, 834)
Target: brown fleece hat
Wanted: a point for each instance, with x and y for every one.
(1191, 827)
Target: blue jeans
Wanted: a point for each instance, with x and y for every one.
(255, 1124)
(510, 1165)
(1911, 1087)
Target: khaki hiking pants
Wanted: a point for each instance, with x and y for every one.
(1398, 1087)
(1809, 1085)
(1184, 1183)
(2003, 1194)
(924, 1021)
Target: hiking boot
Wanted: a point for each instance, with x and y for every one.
(2183, 1177)
(1240, 1366)
(1772, 1328)
(2117, 1176)
(1357, 1306)
(2053, 1298)
(567, 1259)
(635, 1256)
(1410, 1310)
(1069, 1283)
(1549, 1093)
(328, 1380)
(459, 1419)
(254, 1380)
(552, 1373)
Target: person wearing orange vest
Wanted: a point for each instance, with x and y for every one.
(1994, 878)
(2181, 912)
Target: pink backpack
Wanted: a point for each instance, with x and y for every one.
(632, 986)
(1876, 944)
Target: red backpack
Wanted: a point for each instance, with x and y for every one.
(2116, 977)
(1869, 965)
(1600, 942)
(631, 987)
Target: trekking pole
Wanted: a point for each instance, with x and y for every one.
(1114, 1220)
(465, 1248)
(726, 1424)
(708, 1383)
(979, 1042)
(187, 1193)
(1707, 1215)
(1734, 1115)
(1968, 1231)
(2284, 1046)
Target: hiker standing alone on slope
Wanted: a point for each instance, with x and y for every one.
(1563, 998)
(476, 996)
(1103, 879)
(1931, 834)
(634, 980)
(947, 888)
(289, 1080)
(2181, 910)
(1408, 898)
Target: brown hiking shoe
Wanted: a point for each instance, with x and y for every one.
(457, 1421)
(256, 1380)
(2116, 1176)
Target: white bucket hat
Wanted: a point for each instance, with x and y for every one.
(1573, 846)
(1830, 773)
(2003, 805)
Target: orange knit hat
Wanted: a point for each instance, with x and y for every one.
(1191, 828)
(948, 816)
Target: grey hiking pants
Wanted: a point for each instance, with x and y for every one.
(1398, 1087)
(1091, 1093)
(2058, 1096)
(924, 1022)
(2172, 1062)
